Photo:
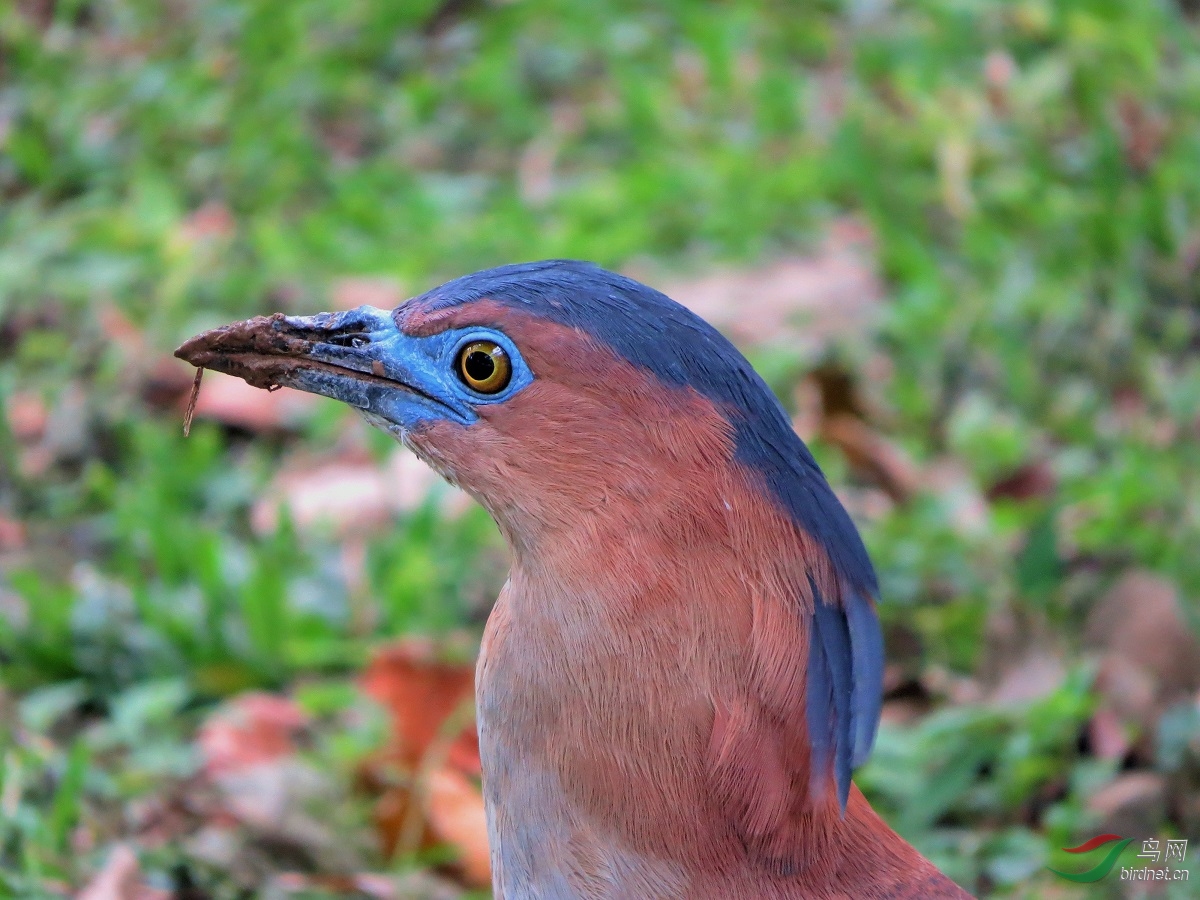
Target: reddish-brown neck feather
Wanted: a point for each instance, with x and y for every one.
(642, 682)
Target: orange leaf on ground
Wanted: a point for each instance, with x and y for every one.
(806, 302)
(1149, 661)
(27, 417)
(350, 491)
(455, 810)
(421, 692)
(1107, 735)
(435, 747)
(251, 729)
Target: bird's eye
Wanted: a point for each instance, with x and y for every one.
(484, 366)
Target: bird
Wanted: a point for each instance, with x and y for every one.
(685, 663)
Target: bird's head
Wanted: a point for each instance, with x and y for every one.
(547, 390)
(572, 401)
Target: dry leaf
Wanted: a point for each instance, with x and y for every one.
(1032, 480)
(1132, 803)
(27, 417)
(805, 302)
(12, 534)
(422, 691)
(999, 70)
(435, 746)
(1037, 675)
(1143, 132)
(873, 456)
(1148, 660)
(49, 435)
(1140, 620)
(350, 492)
(253, 728)
(1107, 735)
(456, 815)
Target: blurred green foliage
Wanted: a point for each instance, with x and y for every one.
(1030, 171)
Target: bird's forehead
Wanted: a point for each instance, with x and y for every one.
(548, 346)
(423, 316)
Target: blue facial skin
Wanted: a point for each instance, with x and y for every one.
(410, 380)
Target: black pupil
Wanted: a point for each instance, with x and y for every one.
(479, 365)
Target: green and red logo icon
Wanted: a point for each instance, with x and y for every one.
(1101, 868)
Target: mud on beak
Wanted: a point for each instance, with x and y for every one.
(359, 357)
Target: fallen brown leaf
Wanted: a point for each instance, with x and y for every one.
(999, 69)
(258, 793)
(456, 815)
(1141, 621)
(1107, 735)
(422, 692)
(435, 749)
(350, 491)
(1035, 676)
(251, 729)
(1032, 480)
(874, 457)
(12, 534)
(805, 302)
(1132, 803)
(1143, 132)
(47, 435)
(1149, 659)
(119, 330)
(39, 12)
(27, 417)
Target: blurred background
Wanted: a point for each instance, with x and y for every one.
(960, 238)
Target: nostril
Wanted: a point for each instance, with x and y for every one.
(356, 339)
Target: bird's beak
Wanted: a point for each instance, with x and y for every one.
(359, 357)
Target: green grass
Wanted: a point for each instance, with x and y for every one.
(1037, 237)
